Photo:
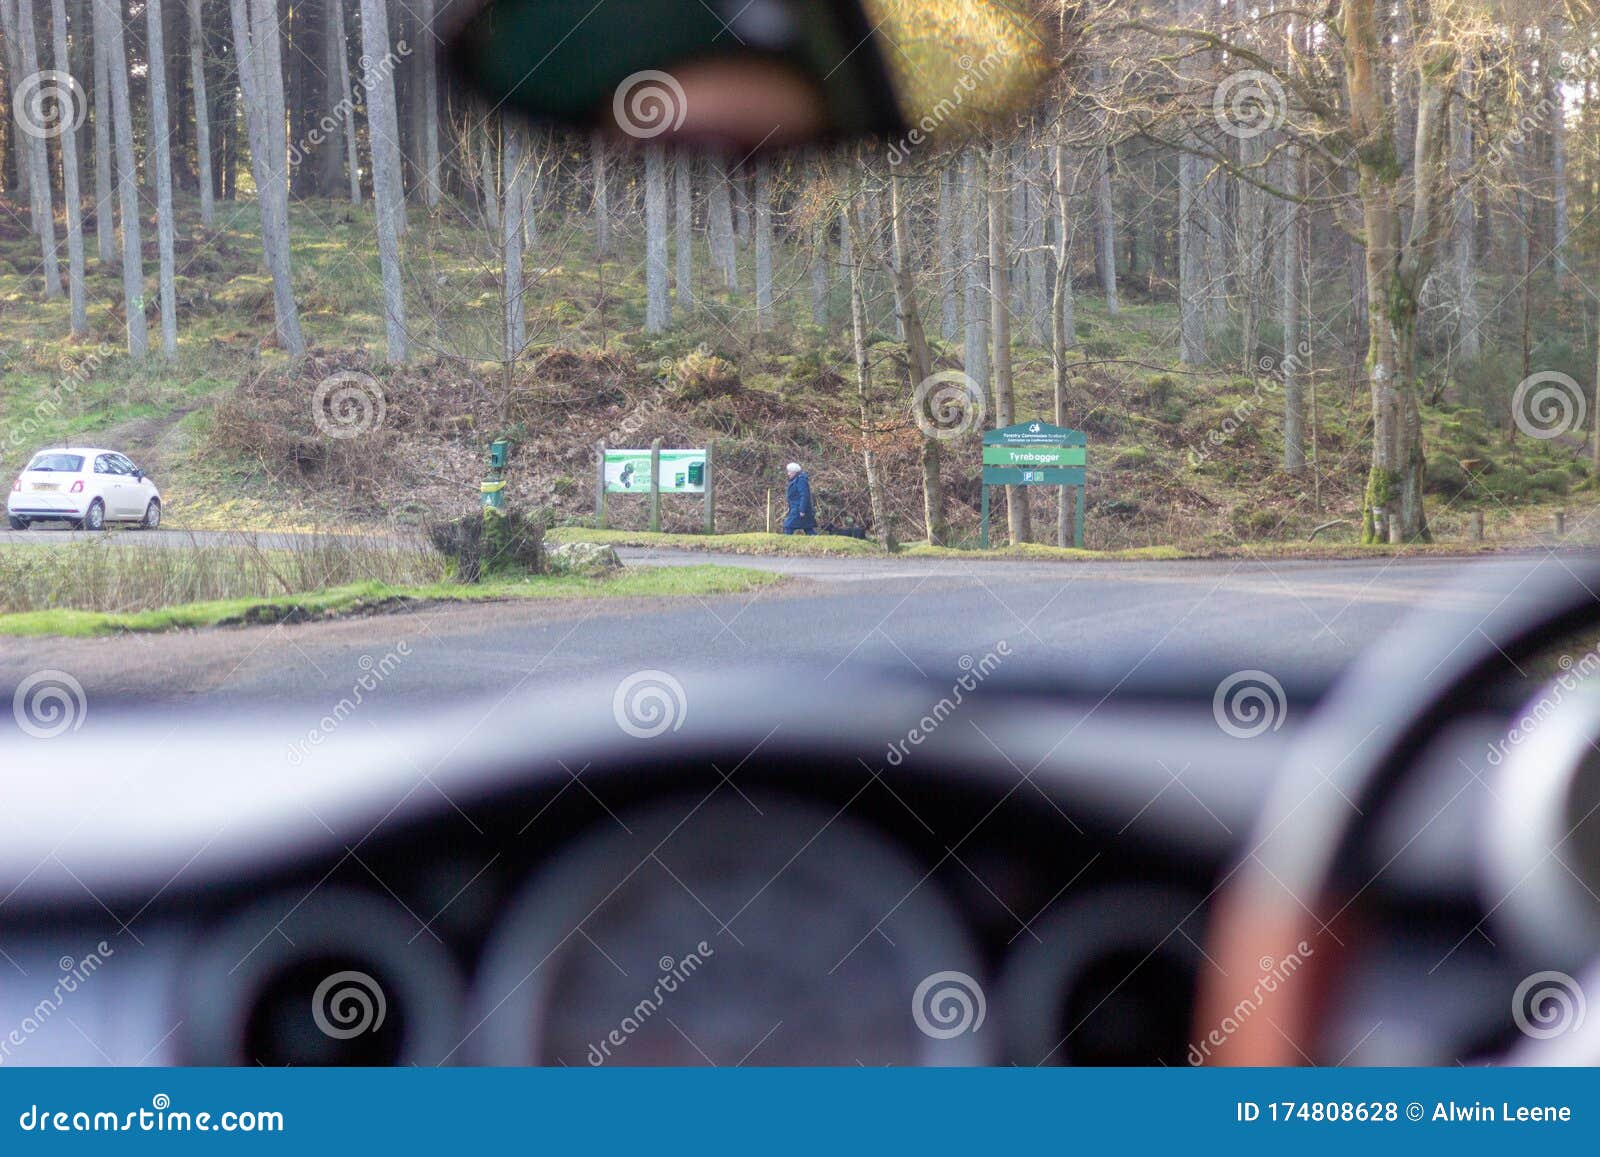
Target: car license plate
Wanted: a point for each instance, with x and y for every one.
(47, 486)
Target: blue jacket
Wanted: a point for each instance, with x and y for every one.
(802, 514)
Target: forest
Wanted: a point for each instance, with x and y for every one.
(1293, 268)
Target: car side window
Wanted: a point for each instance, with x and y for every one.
(102, 464)
(125, 465)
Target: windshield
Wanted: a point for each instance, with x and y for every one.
(510, 420)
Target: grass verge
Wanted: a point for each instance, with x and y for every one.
(377, 598)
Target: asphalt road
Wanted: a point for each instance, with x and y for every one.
(1101, 622)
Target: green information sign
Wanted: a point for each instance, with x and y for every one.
(1035, 454)
(682, 471)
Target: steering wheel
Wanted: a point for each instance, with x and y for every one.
(1292, 891)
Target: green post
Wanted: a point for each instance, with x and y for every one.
(711, 501)
(655, 486)
(983, 527)
(600, 485)
(1077, 520)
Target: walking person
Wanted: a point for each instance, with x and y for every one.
(802, 515)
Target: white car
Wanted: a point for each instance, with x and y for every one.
(85, 486)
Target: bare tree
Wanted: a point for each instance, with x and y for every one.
(919, 361)
(1017, 519)
(513, 178)
(602, 204)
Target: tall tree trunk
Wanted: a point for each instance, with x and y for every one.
(488, 186)
(512, 178)
(202, 111)
(683, 223)
(719, 222)
(946, 244)
(1062, 330)
(658, 306)
(341, 63)
(876, 499)
(1469, 345)
(388, 191)
(763, 244)
(41, 208)
(108, 26)
(105, 193)
(919, 361)
(432, 187)
(1105, 208)
(160, 153)
(602, 204)
(974, 258)
(1017, 519)
(1291, 364)
(69, 182)
(819, 273)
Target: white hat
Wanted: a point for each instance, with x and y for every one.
(793, 468)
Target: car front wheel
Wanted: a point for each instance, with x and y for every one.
(17, 523)
(152, 515)
(94, 518)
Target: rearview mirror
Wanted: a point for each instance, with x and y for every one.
(742, 75)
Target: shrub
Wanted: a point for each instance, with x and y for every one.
(483, 546)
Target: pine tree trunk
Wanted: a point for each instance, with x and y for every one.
(974, 260)
(1062, 329)
(69, 182)
(719, 220)
(488, 185)
(763, 244)
(108, 26)
(658, 306)
(41, 208)
(876, 499)
(819, 273)
(1105, 208)
(512, 177)
(202, 112)
(352, 155)
(105, 193)
(388, 193)
(683, 222)
(1469, 346)
(949, 229)
(919, 361)
(160, 154)
(432, 188)
(1000, 327)
(1291, 365)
